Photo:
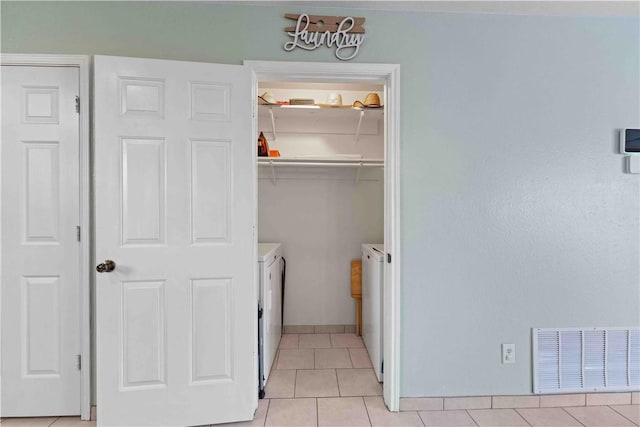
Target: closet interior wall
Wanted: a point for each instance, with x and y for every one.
(321, 215)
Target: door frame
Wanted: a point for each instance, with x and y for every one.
(82, 62)
(359, 73)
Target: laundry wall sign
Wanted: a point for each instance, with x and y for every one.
(343, 33)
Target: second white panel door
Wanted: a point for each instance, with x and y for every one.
(174, 161)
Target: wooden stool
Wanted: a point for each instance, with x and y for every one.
(356, 291)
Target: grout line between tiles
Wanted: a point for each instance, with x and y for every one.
(317, 413)
(516, 409)
(620, 413)
(266, 414)
(571, 415)
(520, 415)
(367, 410)
(54, 421)
(416, 412)
(469, 415)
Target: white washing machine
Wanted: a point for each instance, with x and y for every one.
(270, 325)
(372, 297)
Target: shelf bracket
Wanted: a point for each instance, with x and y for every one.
(273, 123)
(359, 125)
(273, 172)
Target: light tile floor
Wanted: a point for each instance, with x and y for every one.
(47, 422)
(322, 365)
(326, 380)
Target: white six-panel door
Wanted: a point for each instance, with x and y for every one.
(174, 189)
(40, 249)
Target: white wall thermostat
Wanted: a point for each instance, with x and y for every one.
(630, 141)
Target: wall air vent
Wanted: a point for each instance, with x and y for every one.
(586, 359)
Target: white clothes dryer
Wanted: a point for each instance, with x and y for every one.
(372, 303)
(270, 303)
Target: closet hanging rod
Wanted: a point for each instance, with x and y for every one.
(329, 164)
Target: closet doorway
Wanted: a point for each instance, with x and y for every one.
(331, 186)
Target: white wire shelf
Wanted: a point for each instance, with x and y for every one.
(331, 113)
(319, 161)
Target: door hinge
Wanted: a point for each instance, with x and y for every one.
(78, 232)
(382, 368)
(79, 361)
(389, 258)
(77, 104)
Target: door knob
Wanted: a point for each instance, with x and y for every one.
(106, 267)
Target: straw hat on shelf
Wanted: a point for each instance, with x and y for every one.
(372, 100)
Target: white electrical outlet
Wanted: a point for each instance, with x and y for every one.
(508, 353)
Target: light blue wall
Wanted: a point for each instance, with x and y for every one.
(516, 212)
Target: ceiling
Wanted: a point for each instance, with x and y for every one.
(553, 8)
